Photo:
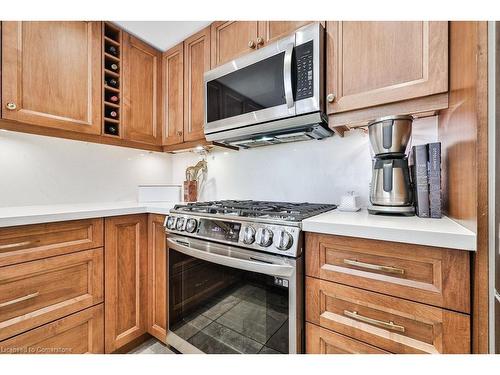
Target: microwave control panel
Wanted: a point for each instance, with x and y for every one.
(304, 59)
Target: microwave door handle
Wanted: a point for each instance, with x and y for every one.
(287, 75)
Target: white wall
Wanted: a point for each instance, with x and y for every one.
(313, 171)
(43, 170)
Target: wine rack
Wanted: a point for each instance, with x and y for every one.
(111, 76)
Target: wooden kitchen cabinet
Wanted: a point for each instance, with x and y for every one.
(141, 82)
(157, 273)
(125, 275)
(372, 65)
(196, 63)
(51, 74)
(173, 95)
(231, 39)
(271, 31)
(431, 275)
(389, 323)
(37, 292)
(80, 333)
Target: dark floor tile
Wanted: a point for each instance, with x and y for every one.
(253, 320)
(267, 350)
(210, 345)
(221, 306)
(232, 339)
(190, 326)
(279, 341)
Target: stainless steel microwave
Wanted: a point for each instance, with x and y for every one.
(272, 95)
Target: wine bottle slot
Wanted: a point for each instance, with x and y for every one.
(112, 50)
(111, 129)
(111, 66)
(111, 82)
(111, 97)
(111, 113)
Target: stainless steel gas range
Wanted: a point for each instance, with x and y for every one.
(235, 276)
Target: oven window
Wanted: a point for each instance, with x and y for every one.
(249, 89)
(221, 310)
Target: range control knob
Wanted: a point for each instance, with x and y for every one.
(265, 237)
(191, 225)
(249, 235)
(284, 240)
(171, 222)
(180, 224)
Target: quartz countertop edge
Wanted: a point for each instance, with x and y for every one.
(25, 215)
(443, 232)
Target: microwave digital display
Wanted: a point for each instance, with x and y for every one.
(220, 230)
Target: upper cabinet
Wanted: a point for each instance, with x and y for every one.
(173, 95)
(376, 63)
(269, 31)
(141, 91)
(51, 74)
(231, 39)
(196, 63)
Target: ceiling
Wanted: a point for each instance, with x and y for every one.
(162, 34)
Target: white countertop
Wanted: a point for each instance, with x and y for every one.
(10, 216)
(431, 232)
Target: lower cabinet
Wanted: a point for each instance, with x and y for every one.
(157, 272)
(323, 341)
(125, 270)
(79, 333)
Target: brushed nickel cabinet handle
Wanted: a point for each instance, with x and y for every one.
(375, 267)
(251, 44)
(330, 98)
(20, 299)
(13, 245)
(11, 106)
(379, 323)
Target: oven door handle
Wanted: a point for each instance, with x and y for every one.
(287, 75)
(281, 270)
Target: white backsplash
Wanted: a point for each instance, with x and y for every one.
(312, 171)
(42, 170)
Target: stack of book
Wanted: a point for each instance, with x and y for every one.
(427, 179)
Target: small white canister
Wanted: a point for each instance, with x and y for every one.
(350, 202)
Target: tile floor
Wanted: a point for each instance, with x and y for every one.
(246, 319)
(152, 346)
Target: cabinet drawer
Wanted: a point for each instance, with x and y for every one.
(323, 341)
(79, 333)
(37, 292)
(30, 242)
(430, 275)
(389, 323)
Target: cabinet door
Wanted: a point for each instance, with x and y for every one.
(231, 39)
(52, 74)
(270, 31)
(141, 85)
(173, 95)
(79, 333)
(125, 275)
(157, 286)
(196, 63)
(374, 63)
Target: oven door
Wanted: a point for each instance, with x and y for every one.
(223, 299)
(253, 89)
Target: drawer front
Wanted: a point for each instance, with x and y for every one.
(30, 242)
(430, 275)
(389, 323)
(34, 293)
(323, 341)
(79, 333)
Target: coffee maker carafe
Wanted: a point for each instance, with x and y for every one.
(391, 190)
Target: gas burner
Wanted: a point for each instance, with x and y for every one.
(282, 211)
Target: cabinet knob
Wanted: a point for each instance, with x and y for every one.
(330, 98)
(251, 44)
(179, 133)
(260, 41)
(11, 106)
